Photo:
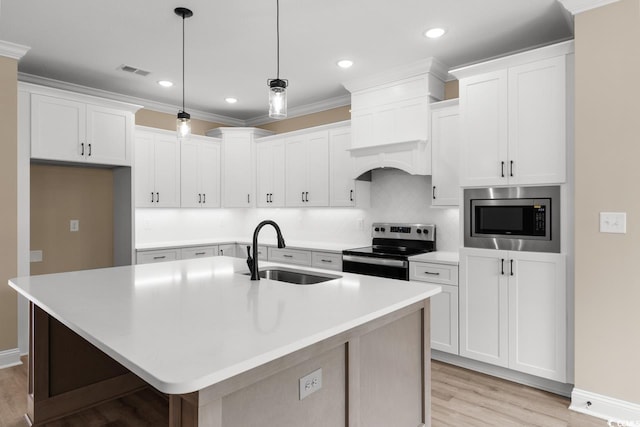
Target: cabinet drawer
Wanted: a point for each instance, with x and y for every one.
(328, 260)
(148, 257)
(435, 273)
(199, 252)
(290, 256)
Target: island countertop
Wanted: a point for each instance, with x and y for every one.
(185, 325)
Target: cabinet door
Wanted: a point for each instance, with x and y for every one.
(58, 128)
(445, 137)
(108, 138)
(342, 190)
(167, 171)
(198, 252)
(190, 193)
(444, 320)
(537, 314)
(144, 167)
(483, 113)
(227, 250)
(160, 255)
(317, 169)
(209, 174)
(238, 171)
(484, 306)
(296, 171)
(271, 176)
(537, 122)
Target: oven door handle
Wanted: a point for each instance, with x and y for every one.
(376, 261)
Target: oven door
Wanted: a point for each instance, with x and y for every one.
(372, 266)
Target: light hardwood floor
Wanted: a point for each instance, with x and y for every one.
(460, 398)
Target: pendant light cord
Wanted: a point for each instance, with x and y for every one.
(183, 62)
(278, 38)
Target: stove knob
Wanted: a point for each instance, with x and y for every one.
(376, 229)
(383, 229)
(425, 231)
(418, 231)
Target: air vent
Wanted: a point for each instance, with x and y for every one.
(134, 70)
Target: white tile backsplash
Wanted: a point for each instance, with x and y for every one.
(395, 197)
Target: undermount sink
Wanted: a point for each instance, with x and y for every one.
(298, 277)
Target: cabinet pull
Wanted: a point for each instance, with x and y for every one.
(270, 197)
(502, 266)
(160, 257)
(434, 192)
(302, 196)
(221, 251)
(351, 195)
(82, 149)
(511, 168)
(306, 197)
(199, 198)
(511, 266)
(157, 197)
(287, 256)
(326, 260)
(152, 197)
(502, 166)
(267, 197)
(89, 150)
(433, 274)
(248, 198)
(200, 253)
(204, 198)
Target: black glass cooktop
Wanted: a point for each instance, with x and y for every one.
(398, 252)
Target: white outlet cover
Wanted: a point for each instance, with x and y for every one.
(310, 383)
(35, 256)
(613, 222)
(74, 225)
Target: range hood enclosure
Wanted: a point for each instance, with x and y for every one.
(390, 117)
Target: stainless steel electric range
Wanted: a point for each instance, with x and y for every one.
(392, 245)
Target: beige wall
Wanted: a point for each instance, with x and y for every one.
(62, 193)
(451, 89)
(316, 119)
(607, 294)
(167, 121)
(9, 205)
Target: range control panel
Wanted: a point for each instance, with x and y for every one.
(387, 230)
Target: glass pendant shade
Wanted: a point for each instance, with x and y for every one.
(277, 99)
(183, 125)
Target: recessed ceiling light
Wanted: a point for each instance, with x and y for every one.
(434, 33)
(345, 63)
(165, 83)
(231, 100)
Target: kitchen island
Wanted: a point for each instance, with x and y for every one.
(228, 351)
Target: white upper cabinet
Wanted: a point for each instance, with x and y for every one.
(342, 186)
(513, 118)
(307, 169)
(76, 128)
(157, 168)
(238, 165)
(200, 172)
(270, 173)
(445, 153)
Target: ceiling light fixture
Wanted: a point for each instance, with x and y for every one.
(165, 83)
(345, 63)
(435, 33)
(278, 86)
(231, 100)
(183, 121)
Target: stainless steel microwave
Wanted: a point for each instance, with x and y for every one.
(513, 218)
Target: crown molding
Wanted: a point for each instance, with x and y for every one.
(12, 50)
(303, 110)
(579, 6)
(145, 103)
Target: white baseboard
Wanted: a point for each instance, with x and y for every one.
(605, 407)
(10, 358)
(555, 387)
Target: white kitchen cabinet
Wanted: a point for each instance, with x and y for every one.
(513, 118)
(342, 186)
(445, 153)
(270, 173)
(74, 128)
(307, 169)
(444, 306)
(227, 250)
(157, 168)
(513, 310)
(200, 172)
(157, 255)
(290, 256)
(241, 251)
(238, 165)
(327, 260)
(198, 252)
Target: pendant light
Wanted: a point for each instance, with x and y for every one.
(183, 121)
(278, 86)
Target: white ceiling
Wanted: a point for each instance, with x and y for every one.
(231, 45)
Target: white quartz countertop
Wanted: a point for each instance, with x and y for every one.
(185, 325)
(437, 257)
(291, 244)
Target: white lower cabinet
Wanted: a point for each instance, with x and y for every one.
(198, 252)
(290, 256)
(327, 260)
(241, 251)
(157, 255)
(444, 306)
(513, 310)
(227, 250)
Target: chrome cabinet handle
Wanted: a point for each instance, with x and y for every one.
(351, 195)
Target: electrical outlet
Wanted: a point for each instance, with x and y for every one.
(35, 256)
(310, 383)
(74, 225)
(613, 222)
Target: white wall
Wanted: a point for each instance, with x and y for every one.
(395, 197)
